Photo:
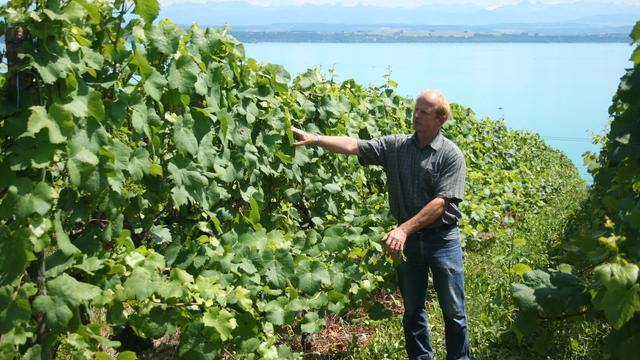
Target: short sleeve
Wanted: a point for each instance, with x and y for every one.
(450, 182)
(374, 151)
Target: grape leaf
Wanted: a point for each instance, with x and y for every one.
(154, 85)
(56, 310)
(64, 243)
(165, 37)
(312, 323)
(72, 291)
(221, 320)
(13, 256)
(39, 120)
(147, 9)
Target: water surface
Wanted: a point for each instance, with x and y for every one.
(560, 90)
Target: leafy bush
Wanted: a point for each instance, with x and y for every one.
(605, 246)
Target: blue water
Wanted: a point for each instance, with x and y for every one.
(561, 91)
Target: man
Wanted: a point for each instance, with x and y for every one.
(425, 180)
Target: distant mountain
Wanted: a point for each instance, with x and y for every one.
(582, 14)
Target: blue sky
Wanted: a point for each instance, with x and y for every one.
(489, 4)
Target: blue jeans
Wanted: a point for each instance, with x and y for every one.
(441, 253)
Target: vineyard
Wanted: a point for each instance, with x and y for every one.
(150, 189)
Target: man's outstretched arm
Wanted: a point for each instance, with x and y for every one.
(337, 144)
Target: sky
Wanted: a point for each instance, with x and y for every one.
(488, 4)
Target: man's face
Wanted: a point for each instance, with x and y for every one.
(424, 116)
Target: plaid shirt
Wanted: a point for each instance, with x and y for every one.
(415, 175)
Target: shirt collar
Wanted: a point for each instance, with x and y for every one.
(435, 144)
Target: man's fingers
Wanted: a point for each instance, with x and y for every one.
(393, 250)
(393, 245)
(301, 136)
(389, 239)
(390, 244)
(387, 243)
(298, 133)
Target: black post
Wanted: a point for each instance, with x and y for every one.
(20, 84)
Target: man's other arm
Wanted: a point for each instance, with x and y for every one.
(428, 214)
(395, 239)
(336, 144)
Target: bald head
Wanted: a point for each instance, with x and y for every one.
(436, 99)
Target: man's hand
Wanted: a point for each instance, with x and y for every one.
(335, 144)
(394, 242)
(304, 138)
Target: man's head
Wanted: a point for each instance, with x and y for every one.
(431, 111)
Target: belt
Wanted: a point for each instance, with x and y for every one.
(436, 230)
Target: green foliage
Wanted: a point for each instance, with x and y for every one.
(605, 245)
(155, 175)
(509, 173)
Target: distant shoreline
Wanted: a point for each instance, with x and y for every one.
(315, 37)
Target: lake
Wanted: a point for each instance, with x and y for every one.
(560, 90)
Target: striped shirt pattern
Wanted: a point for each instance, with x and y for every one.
(415, 175)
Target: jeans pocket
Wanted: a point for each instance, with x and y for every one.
(451, 235)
